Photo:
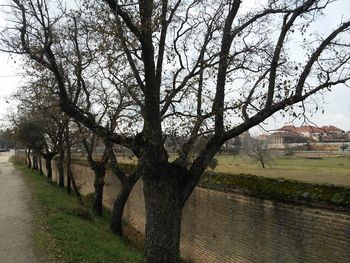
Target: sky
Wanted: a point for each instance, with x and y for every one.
(336, 103)
(9, 78)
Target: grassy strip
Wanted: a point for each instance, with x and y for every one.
(67, 232)
(271, 188)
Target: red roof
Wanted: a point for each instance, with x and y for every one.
(330, 129)
(309, 129)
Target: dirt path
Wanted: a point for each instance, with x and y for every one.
(15, 216)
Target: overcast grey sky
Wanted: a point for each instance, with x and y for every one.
(336, 103)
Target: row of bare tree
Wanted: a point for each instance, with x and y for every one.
(129, 72)
(44, 131)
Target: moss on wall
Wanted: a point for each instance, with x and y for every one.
(279, 189)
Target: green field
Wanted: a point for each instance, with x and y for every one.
(330, 170)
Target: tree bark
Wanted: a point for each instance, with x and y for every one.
(69, 168)
(262, 164)
(163, 217)
(29, 161)
(40, 166)
(69, 179)
(99, 182)
(48, 168)
(69, 176)
(35, 161)
(75, 187)
(119, 205)
(60, 167)
(127, 183)
(48, 158)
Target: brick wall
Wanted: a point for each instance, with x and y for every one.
(228, 227)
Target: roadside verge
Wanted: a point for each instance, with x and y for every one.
(65, 231)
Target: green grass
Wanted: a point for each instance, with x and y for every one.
(65, 231)
(279, 188)
(289, 179)
(323, 181)
(330, 170)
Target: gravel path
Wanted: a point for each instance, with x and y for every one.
(15, 216)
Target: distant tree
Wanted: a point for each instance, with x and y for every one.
(237, 144)
(257, 150)
(6, 139)
(36, 98)
(29, 132)
(344, 146)
(260, 153)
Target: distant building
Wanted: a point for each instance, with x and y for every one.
(310, 132)
(290, 134)
(332, 130)
(286, 137)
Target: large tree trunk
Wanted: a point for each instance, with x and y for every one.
(119, 205)
(60, 167)
(163, 217)
(99, 182)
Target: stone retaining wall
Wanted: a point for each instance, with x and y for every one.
(228, 227)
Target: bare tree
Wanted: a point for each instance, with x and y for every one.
(71, 138)
(98, 165)
(38, 100)
(257, 150)
(36, 96)
(28, 131)
(80, 70)
(210, 68)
